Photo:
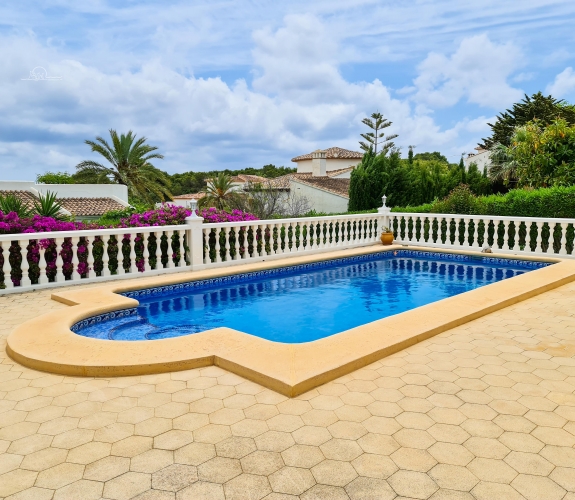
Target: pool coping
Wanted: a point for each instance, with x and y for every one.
(46, 343)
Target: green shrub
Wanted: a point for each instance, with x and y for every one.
(555, 202)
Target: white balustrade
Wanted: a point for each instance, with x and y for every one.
(218, 244)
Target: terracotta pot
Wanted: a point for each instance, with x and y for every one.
(387, 238)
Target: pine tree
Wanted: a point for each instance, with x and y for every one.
(545, 109)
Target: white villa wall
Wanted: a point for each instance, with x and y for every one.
(481, 160)
(321, 201)
(305, 166)
(115, 191)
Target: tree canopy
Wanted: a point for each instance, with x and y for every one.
(377, 123)
(544, 109)
(129, 164)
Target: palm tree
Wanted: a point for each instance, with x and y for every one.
(503, 165)
(130, 165)
(220, 193)
(377, 123)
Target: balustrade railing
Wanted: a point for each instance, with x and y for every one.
(40, 260)
(512, 235)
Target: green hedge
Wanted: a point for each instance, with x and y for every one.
(556, 202)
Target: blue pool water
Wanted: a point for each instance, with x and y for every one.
(303, 303)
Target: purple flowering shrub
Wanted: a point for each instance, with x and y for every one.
(118, 251)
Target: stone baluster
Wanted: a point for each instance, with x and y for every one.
(6, 267)
(145, 237)
(181, 248)
(171, 263)
(75, 242)
(43, 277)
(539, 239)
(218, 246)
(227, 245)
(121, 269)
(24, 266)
(90, 257)
(475, 236)
(206, 233)
(105, 257)
(563, 247)
(505, 245)
(159, 264)
(133, 266)
(59, 261)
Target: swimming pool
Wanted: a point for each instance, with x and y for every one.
(303, 303)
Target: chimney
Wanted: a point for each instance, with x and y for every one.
(318, 163)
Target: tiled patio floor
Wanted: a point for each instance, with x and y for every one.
(484, 411)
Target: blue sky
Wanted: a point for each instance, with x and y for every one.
(233, 84)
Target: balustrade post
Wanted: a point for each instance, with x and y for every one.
(384, 211)
(195, 238)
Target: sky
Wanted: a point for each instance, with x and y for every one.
(220, 84)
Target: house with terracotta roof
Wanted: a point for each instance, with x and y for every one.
(336, 158)
(185, 200)
(82, 201)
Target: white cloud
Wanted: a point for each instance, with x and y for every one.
(563, 85)
(291, 88)
(478, 72)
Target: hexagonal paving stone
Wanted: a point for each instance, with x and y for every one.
(219, 470)
(274, 441)
(376, 466)
(15, 481)
(453, 477)
(195, 453)
(127, 486)
(334, 473)
(107, 468)
(59, 476)
(202, 491)
(174, 477)
(172, 440)
(412, 484)
(302, 456)
(347, 430)
(151, 461)
(291, 480)
(86, 490)
(235, 447)
(537, 487)
(40, 460)
(212, 433)
(413, 459)
(369, 488)
(248, 487)
(495, 471)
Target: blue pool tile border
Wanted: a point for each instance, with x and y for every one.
(160, 290)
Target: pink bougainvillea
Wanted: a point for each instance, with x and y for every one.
(118, 250)
(167, 215)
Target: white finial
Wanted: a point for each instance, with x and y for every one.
(383, 199)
